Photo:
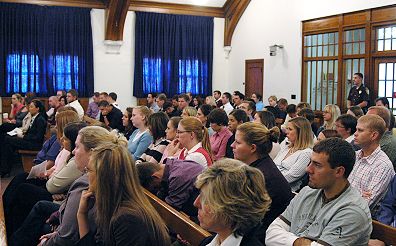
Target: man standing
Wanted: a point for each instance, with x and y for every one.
(329, 211)
(217, 96)
(373, 170)
(72, 101)
(359, 93)
(225, 99)
(151, 102)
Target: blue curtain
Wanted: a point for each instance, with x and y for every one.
(173, 54)
(45, 49)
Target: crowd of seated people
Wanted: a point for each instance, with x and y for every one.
(86, 184)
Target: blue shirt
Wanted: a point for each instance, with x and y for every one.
(49, 151)
(259, 106)
(139, 145)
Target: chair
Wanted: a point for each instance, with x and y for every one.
(27, 157)
(178, 222)
(385, 233)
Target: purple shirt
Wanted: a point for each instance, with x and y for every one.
(178, 187)
(93, 110)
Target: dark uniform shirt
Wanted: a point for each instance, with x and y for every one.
(358, 95)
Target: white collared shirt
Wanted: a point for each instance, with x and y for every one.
(77, 106)
(231, 240)
(196, 156)
(350, 138)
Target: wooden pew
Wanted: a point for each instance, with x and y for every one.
(178, 222)
(27, 157)
(385, 233)
(3, 234)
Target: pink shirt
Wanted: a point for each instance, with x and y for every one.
(16, 109)
(218, 142)
(60, 161)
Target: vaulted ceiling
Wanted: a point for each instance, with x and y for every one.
(116, 11)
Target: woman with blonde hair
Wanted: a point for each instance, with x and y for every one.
(232, 202)
(330, 114)
(253, 144)
(295, 153)
(124, 216)
(141, 138)
(67, 233)
(189, 111)
(193, 138)
(210, 100)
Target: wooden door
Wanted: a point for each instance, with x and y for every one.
(385, 81)
(254, 77)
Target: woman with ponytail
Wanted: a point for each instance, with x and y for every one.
(193, 138)
(252, 145)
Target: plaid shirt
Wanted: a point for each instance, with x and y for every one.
(372, 174)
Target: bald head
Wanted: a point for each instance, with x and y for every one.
(53, 101)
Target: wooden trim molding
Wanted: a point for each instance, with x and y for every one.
(233, 10)
(116, 14)
(172, 8)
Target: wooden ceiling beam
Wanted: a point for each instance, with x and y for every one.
(115, 19)
(172, 8)
(233, 10)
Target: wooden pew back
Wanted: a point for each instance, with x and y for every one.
(177, 222)
(3, 234)
(385, 233)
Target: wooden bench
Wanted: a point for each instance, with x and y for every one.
(178, 222)
(27, 157)
(385, 233)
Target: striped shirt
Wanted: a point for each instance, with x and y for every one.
(372, 174)
(154, 151)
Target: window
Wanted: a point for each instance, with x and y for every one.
(24, 72)
(321, 67)
(368, 46)
(386, 38)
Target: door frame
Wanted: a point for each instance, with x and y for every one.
(247, 62)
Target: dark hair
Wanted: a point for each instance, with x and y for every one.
(330, 133)
(71, 132)
(199, 99)
(218, 116)
(308, 114)
(206, 109)
(359, 74)
(104, 94)
(227, 95)
(113, 96)
(348, 122)
(239, 94)
(185, 97)
(175, 97)
(267, 118)
(384, 101)
(271, 109)
(103, 103)
(259, 96)
(38, 104)
(157, 124)
(240, 115)
(162, 97)
(167, 105)
(96, 94)
(357, 111)
(145, 172)
(282, 101)
(251, 105)
(340, 153)
(175, 121)
(73, 92)
(64, 98)
(291, 109)
(129, 111)
(219, 92)
(153, 94)
(302, 105)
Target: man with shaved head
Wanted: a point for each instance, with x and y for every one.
(53, 104)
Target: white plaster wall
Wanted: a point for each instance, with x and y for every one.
(114, 73)
(268, 22)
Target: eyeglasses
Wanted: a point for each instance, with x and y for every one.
(179, 132)
(339, 126)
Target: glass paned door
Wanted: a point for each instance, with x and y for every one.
(385, 79)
